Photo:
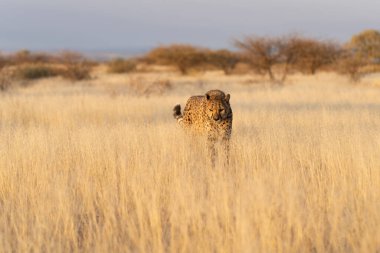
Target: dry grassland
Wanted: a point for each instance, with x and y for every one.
(95, 167)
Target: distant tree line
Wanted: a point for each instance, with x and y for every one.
(274, 57)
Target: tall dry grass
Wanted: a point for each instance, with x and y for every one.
(83, 171)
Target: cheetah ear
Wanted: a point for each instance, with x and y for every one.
(228, 97)
(207, 96)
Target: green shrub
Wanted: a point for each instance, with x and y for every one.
(119, 66)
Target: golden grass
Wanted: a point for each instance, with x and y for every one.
(83, 170)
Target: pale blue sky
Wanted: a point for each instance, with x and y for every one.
(123, 24)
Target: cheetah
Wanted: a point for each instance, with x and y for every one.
(211, 116)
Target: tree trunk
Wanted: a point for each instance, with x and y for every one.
(271, 75)
(285, 74)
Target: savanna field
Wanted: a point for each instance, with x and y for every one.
(101, 166)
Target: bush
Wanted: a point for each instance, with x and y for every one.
(366, 45)
(25, 56)
(77, 67)
(351, 65)
(119, 66)
(35, 71)
(224, 60)
(29, 66)
(183, 57)
(77, 71)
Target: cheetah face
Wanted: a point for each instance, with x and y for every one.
(218, 109)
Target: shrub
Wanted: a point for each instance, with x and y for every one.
(224, 60)
(183, 57)
(350, 65)
(25, 56)
(360, 55)
(77, 67)
(77, 71)
(366, 45)
(35, 71)
(121, 66)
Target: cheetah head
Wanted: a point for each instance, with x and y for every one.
(218, 105)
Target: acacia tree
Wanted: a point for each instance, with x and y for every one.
(366, 45)
(263, 54)
(361, 50)
(313, 54)
(260, 53)
(183, 57)
(350, 64)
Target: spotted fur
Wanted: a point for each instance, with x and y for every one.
(209, 115)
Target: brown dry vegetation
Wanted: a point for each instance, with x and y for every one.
(83, 170)
(275, 57)
(287, 54)
(25, 65)
(183, 57)
(120, 65)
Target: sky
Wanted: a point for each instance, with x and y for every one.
(141, 24)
